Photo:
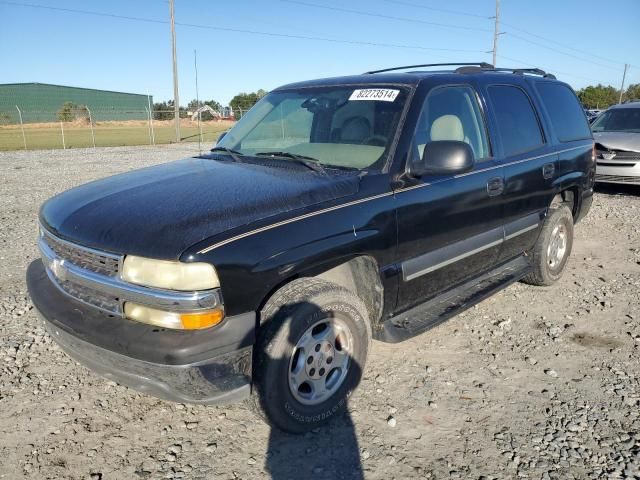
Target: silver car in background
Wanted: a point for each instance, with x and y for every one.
(617, 136)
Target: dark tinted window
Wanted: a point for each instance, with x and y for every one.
(517, 122)
(567, 116)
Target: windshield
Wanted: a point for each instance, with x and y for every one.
(347, 127)
(618, 120)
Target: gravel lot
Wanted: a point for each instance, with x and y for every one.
(538, 383)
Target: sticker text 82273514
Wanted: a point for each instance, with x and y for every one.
(378, 94)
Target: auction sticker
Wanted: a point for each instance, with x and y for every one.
(379, 94)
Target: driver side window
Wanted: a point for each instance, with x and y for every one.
(452, 113)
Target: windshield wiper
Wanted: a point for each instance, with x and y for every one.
(309, 162)
(234, 154)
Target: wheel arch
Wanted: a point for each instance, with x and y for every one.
(568, 192)
(359, 274)
(569, 197)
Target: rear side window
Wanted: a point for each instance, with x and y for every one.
(518, 125)
(567, 116)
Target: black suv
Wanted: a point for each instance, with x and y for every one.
(336, 211)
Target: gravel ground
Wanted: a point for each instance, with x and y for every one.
(540, 383)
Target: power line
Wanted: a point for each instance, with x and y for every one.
(560, 44)
(550, 70)
(445, 25)
(443, 10)
(238, 30)
(316, 38)
(513, 35)
(387, 17)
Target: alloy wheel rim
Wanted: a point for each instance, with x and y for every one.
(557, 246)
(320, 361)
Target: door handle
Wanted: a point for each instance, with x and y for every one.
(495, 186)
(548, 169)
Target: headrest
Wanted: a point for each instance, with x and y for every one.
(355, 129)
(447, 127)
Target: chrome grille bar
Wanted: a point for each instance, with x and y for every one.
(84, 257)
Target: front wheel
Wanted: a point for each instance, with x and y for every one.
(310, 353)
(551, 252)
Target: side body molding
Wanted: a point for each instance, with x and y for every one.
(436, 259)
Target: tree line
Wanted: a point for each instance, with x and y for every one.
(593, 96)
(601, 96)
(242, 101)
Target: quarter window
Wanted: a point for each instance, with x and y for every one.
(567, 116)
(452, 113)
(518, 125)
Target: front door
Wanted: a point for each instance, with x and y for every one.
(449, 227)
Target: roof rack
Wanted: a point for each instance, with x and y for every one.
(530, 71)
(472, 67)
(477, 64)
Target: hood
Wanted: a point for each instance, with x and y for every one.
(160, 211)
(618, 140)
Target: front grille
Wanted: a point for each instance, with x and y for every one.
(88, 259)
(622, 155)
(92, 260)
(619, 155)
(618, 179)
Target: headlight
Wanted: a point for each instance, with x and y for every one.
(169, 275)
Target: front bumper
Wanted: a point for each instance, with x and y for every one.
(211, 366)
(623, 172)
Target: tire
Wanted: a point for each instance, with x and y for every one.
(547, 267)
(293, 321)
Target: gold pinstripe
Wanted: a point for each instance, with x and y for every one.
(366, 199)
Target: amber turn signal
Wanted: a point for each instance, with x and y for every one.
(195, 321)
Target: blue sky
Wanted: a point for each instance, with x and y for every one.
(582, 41)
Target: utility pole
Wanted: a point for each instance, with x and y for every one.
(176, 99)
(195, 66)
(496, 27)
(624, 76)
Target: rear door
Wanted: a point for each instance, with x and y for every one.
(570, 132)
(530, 166)
(449, 227)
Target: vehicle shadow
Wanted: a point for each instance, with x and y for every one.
(618, 189)
(329, 451)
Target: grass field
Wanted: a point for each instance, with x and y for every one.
(107, 134)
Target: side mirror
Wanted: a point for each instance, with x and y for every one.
(444, 157)
(222, 135)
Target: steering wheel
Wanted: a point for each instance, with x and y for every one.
(375, 140)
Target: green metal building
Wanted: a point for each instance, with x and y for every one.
(41, 102)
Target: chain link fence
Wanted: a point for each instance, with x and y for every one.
(81, 126)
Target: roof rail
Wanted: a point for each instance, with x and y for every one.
(530, 71)
(483, 65)
(472, 67)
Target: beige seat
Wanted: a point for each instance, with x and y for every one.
(447, 127)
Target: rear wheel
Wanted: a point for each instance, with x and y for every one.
(551, 252)
(310, 353)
